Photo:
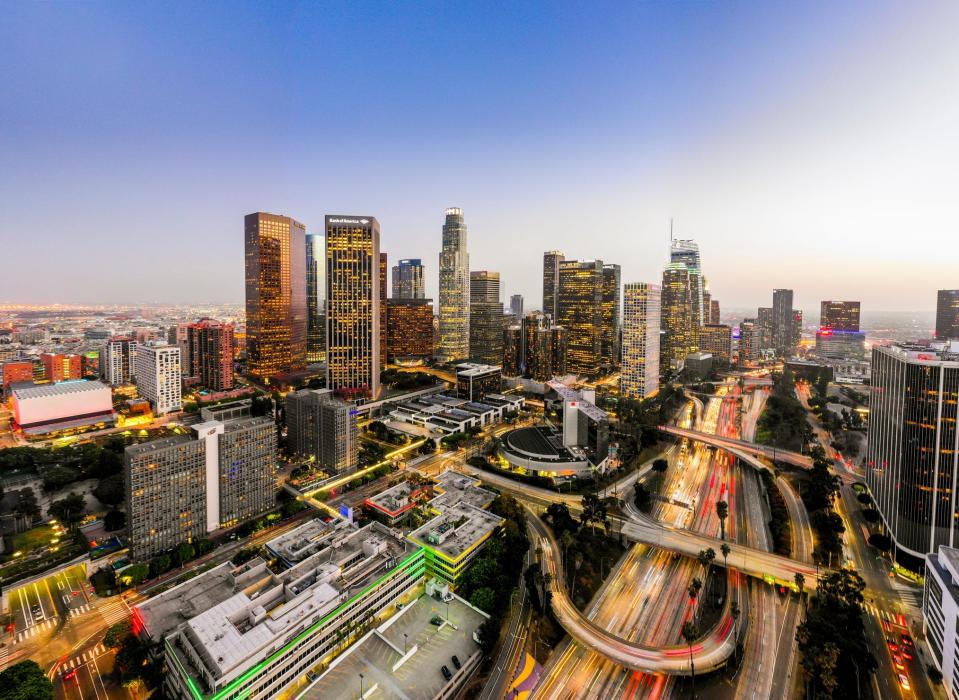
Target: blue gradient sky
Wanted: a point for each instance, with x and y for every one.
(802, 144)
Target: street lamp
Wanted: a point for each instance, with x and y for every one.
(404, 642)
(361, 686)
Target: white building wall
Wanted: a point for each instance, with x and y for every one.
(158, 371)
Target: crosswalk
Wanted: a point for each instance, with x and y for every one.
(36, 629)
(84, 658)
(79, 610)
(114, 611)
(887, 617)
(911, 595)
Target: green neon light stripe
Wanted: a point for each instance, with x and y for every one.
(176, 660)
(310, 630)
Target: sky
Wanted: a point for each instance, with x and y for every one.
(805, 145)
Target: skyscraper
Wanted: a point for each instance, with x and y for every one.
(384, 271)
(542, 352)
(783, 322)
(486, 318)
(641, 322)
(158, 376)
(676, 315)
(714, 312)
(687, 252)
(118, 360)
(839, 315)
(315, 297)
(409, 324)
(611, 332)
(353, 273)
(323, 427)
(454, 291)
(276, 312)
(579, 309)
(551, 261)
(512, 350)
(210, 356)
(764, 319)
(750, 340)
(947, 314)
(716, 339)
(912, 464)
(408, 279)
(516, 306)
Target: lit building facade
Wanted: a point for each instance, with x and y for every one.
(676, 315)
(641, 325)
(750, 340)
(323, 427)
(353, 273)
(947, 314)
(276, 312)
(610, 350)
(58, 367)
(940, 615)
(551, 261)
(912, 454)
(210, 355)
(512, 350)
(714, 312)
(409, 325)
(315, 298)
(16, 371)
(454, 290)
(384, 272)
(474, 381)
(409, 279)
(486, 317)
(579, 309)
(839, 315)
(783, 322)
(687, 253)
(158, 372)
(118, 360)
(717, 340)
(543, 349)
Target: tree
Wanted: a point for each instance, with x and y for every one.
(693, 591)
(484, 599)
(690, 635)
(135, 574)
(27, 506)
(116, 633)
(25, 681)
(114, 520)
(735, 612)
(722, 512)
(725, 549)
(160, 564)
(642, 498)
(109, 490)
(801, 586)
(660, 465)
(68, 509)
(185, 552)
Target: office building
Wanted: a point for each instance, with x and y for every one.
(839, 315)
(183, 487)
(940, 615)
(353, 274)
(473, 381)
(158, 376)
(551, 262)
(676, 319)
(179, 335)
(210, 353)
(543, 349)
(58, 367)
(579, 309)
(322, 427)
(384, 272)
(315, 298)
(764, 317)
(409, 328)
(440, 413)
(686, 252)
(783, 322)
(409, 279)
(516, 306)
(486, 317)
(912, 460)
(67, 407)
(118, 360)
(247, 632)
(714, 312)
(454, 290)
(16, 372)
(611, 331)
(707, 301)
(750, 340)
(641, 326)
(585, 426)
(839, 345)
(717, 340)
(276, 311)
(512, 350)
(947, 314)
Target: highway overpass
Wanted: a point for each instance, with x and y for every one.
(733, 444)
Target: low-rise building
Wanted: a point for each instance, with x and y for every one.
(473, 381)
(393, 505)
(46, 409)
(453, 538)
(449, 414)
(940, 615)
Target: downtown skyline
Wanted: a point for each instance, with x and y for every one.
(797, 142)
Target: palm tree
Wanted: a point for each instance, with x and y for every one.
(577, 562)
(722, 512)
(735, 612)
(547, 579)
(706, 558)
(725, 549)
(693, 590)
(801, 585)
(690, 634)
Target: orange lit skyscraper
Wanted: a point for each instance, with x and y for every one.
(275, 294)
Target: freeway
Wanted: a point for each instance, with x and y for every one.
(741, 445)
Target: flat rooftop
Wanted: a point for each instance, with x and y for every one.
(454, 487)
(303, 541)
(40, 391)
(396, 498)
(420, 676)
(540, 442)
(457, 530)
(475, 370)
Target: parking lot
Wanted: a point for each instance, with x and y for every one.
(43, 604)
(418, 678)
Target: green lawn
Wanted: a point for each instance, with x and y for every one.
(32, 539)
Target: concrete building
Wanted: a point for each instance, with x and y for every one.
(183, 487)
(409, 279)
(409, 328)
(323, 427)
(783, 320)
(15, 372)
(912, 454)
(276, 309)
(449, 414)
(543, 348)
(58, 367)
(839, 315)
(512, 350)
(353, 274)
(839, 344)
(486, 317)
(611, 333)
(940, 615)
(473, 381)
(516, 306)
(158, 376)
(315, 297)
(717, 340)
(454, 290)
(764, 317)
(118, 360)
(750, 340)
(579, 309)
(248, 632)
(947, 314)
(714, 312)
(686, 252)
(551, 262)
(393, 505)
(641, 326)
(47, 409)
(676, 316)
(384, 272)
(210, 353)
